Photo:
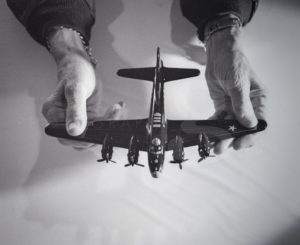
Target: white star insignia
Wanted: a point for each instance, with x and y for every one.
(232, 128)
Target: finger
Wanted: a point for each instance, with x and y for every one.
(244, 142)
(115, 112)
(76, 116)
(74, 143)
(55, 114)
(258, 96)
(242, 106)
(54, 107)
(91, 147)
(220, 115)
(94, 105)
(222, 146)
(221, 101)
(45, 110)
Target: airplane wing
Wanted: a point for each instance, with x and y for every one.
(120, 130)
(146, 73)
(171, 74)
(216, 130)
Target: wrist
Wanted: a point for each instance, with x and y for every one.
(64, 43)
(224, 41)
(225, 37)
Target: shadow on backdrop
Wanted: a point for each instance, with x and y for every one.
(182, 34)
(291, 236)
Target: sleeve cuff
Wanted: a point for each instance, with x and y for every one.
(219, 23)
(71, 14)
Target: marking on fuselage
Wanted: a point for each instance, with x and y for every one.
(156, 120)
(232, 128)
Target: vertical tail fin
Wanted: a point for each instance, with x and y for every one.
(158, 60)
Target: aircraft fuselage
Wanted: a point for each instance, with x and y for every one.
(157, 126)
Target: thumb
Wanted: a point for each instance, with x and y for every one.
(242, 106)
(76, 115)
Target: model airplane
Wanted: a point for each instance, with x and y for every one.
(156, 134)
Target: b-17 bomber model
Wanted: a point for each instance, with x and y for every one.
(156, 134)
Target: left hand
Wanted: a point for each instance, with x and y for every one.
(76, 99)
(233, 86)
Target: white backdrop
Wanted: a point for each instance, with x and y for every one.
(51, 194)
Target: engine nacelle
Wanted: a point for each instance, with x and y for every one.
(203, 146)
(107, 148)
(133, 150)
(178, 150)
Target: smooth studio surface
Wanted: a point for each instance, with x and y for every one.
(52, 194)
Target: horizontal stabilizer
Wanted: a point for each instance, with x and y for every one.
(171, 74)
(146, 73)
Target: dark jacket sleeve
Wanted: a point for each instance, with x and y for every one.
(39, 16)
(200, 12)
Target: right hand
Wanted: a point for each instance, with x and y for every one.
(76, 98)
(233, 86)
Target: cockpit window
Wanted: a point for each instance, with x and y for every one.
(156, 142)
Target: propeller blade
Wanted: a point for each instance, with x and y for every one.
(141, 165)
(201, 159)
(180, 166)
(127, 165)
(179, 161)
(107, 161)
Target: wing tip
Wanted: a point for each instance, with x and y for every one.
(48, 129)
(119, 73)
(262, 125)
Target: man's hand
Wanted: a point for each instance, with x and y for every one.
(233, 86)
(77, 96)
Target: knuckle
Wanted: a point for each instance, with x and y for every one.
(240, 109)
(237, 76)
(45, 109)
(237, 147)
(209, 75)
(70, 91)
(64, 142)
(74, 93)
(46, 106)
(234, 81)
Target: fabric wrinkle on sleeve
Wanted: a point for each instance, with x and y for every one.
(200, 12)
(38, 16)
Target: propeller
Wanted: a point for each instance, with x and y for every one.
(179, 162)
(107, 161)
(130, 164)
(202, 158)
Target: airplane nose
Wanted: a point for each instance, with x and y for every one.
(155, 174)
